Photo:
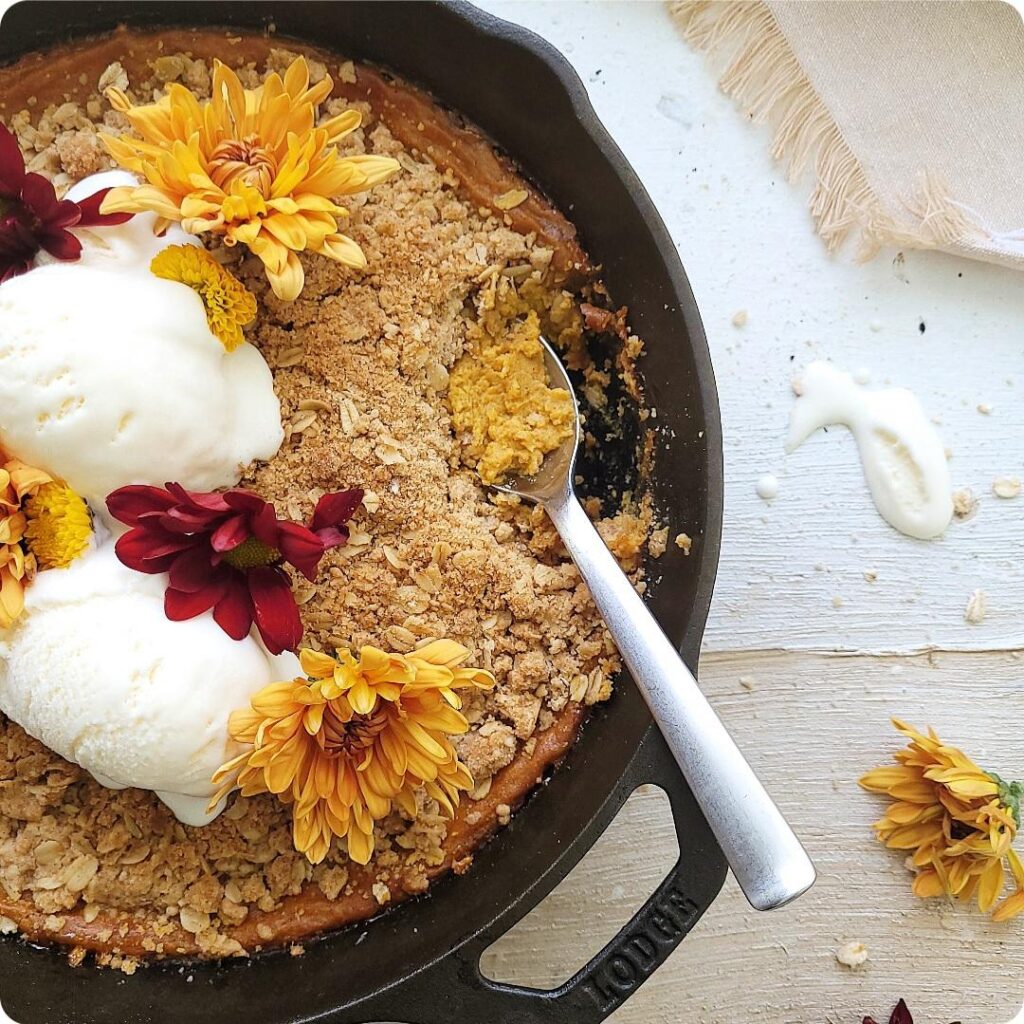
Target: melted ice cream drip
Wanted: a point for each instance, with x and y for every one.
(903, 457)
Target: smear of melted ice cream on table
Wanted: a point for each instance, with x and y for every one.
(903, 457)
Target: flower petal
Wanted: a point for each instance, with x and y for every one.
(344, 250)
(901, 1015)
(1010, 908)
(316, 664)
(230, 534)
(180, 605)
(242, 501)
(12, 165)
(275, 610)
(38, 195)
(130, 504)
(142, 551)
(335, 509)
(287, 281)
(61, 245)
(90, 215)
(266, 527)
(198, 501)
(233, 612)
(66, 214)
(301, 547)
(194, 570)
(12, 598)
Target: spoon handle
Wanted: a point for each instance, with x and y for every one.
(767, 859)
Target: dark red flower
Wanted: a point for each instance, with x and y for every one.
(226, 552)
(899, 1015)
(33, 218)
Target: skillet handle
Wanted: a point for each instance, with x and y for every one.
(453, 988)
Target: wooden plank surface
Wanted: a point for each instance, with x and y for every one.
(811, 720)
(792, 585)
(811, 724)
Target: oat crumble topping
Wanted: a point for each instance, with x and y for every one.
(361, 365)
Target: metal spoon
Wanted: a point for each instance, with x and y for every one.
(767, 859)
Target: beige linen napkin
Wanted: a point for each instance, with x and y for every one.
(911, 114)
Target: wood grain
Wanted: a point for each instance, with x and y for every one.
(811, 724)
(812, 721)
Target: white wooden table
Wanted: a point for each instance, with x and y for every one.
(804, 656)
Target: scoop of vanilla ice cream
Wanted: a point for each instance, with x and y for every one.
(111, 376)
(95, 671)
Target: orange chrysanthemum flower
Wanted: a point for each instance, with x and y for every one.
(43, 524)
(251, 165)
(353, 739)
(958, 820)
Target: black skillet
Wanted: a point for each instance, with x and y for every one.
(419, 963)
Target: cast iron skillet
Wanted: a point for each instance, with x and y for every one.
(419, 963)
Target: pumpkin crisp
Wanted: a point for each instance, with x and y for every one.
(364, 364)
(502, 407)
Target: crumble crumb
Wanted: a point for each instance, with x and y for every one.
(80, 154)
(739, 318)
(965, 504)
(1006, 486)
(852, 955)
(381, 893)
(127, 965)
(977, 608)
(625, 534)
(114, 76)
(657, 544)
(332, 880)
(684, 542)
(511, 199)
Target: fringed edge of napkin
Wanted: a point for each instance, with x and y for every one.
(764, 77)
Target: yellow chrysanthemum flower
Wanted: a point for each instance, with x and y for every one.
(249, 164)
(59, 526)
(229, 305)
(43, 524)
(356, 737)
(958, 820)
(1014, 904)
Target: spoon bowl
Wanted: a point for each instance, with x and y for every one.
(559, 466)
